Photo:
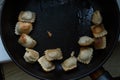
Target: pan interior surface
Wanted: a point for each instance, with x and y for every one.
(67, 20)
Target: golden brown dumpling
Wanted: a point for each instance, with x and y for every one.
(27, 16)
(69, 63)
(27, 41)
(31, 55)
(98, 30)
(53, 54)
(100, 43)
(85, 41)
(45, 64)
(85, 55)
(23, 27)
(97, 18)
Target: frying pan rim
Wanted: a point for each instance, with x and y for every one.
(77, 77)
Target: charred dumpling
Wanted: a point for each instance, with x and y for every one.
(27, 41)
(70, 63)
(85, 41)
(98, 30)
(23, 27)
(85, 55)
(31, 55)
(27, 16)
(45, 64)
(100, 43)
(53, 54)
(97, 18)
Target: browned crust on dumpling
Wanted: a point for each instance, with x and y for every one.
(23, 27)
(27, 41)
(22, 39)
(100, 43)
(27, 18)
(98, 30)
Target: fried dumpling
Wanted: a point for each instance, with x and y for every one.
(85, 41)
(98, 30)
(85, 55)
(27, 41)
(70, 63)
(100, 43)
(31, 55)
(45, 64)
(53, 54)
(27, 16)
(96, 17)
(23, 27)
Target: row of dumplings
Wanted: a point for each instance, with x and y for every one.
(24, 24)
(99, 31)
(23, 27)
(99, 40)
(45, 61)
(50, 55)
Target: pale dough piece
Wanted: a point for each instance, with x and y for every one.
(27, 41)
(53, 54)
(31, 55)
(96, 17)
(45, 64)
(69, 63)
(85, 41)
(85, 55)
(27, 16)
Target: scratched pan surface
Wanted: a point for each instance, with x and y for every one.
(67, 20)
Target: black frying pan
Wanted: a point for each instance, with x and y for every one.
(61, 18)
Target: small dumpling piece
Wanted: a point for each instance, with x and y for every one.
(49, 34)
(85, 55)
(96, 17)
(100, 43)
(31, 55)
(23, 27)
(27, 16)
(45, 64)
(53, 54)
(98, 30)
(27, 41)
(85, 41)
(70, 63)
